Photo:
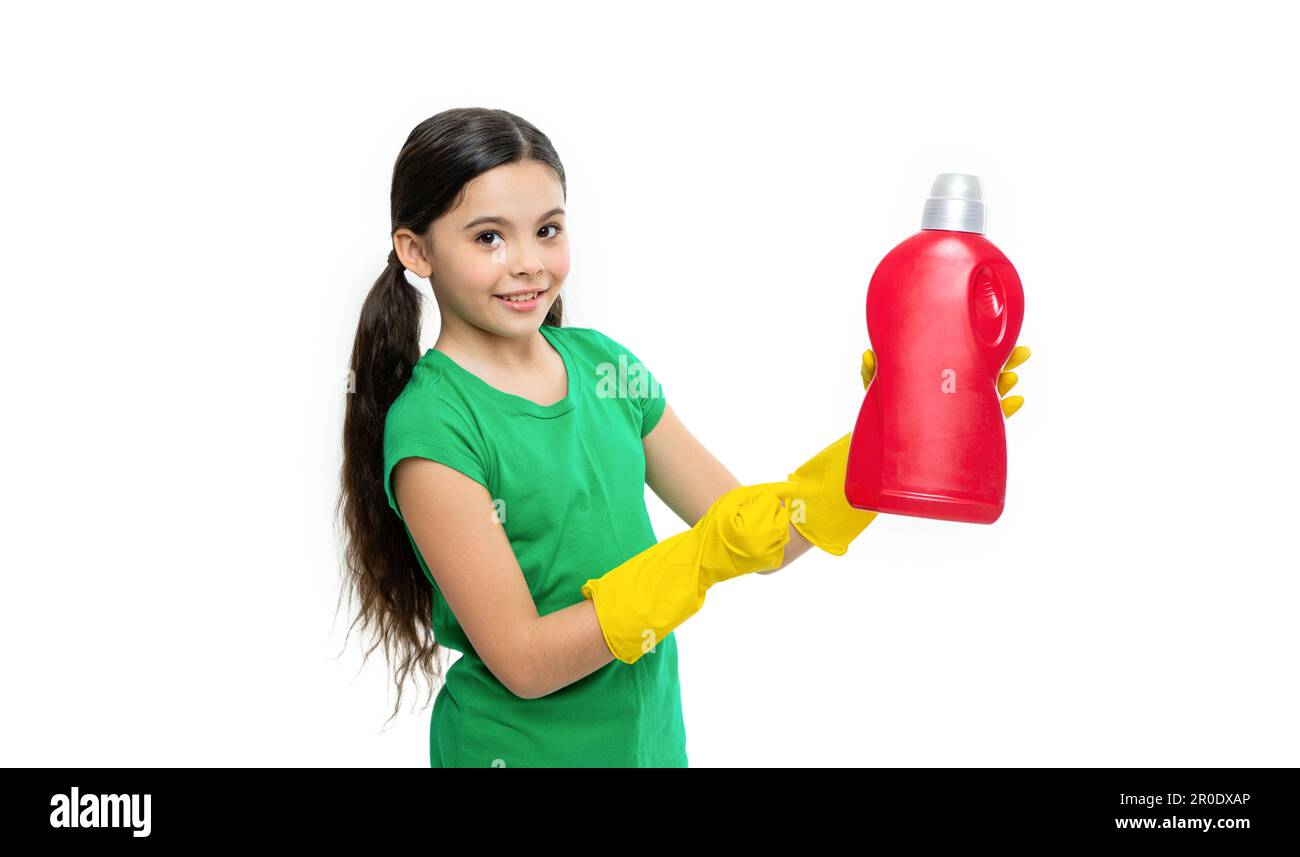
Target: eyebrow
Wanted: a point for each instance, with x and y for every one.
(492, 218)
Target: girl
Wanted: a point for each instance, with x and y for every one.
(493, 486)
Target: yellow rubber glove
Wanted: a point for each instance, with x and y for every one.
(641, 601)
(1007, 379)
(819, 510)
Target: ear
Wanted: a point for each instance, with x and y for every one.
(415, 252)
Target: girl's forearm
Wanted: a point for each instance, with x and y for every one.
(563, 647)
(568, 644)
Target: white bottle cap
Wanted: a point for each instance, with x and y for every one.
(956, 203)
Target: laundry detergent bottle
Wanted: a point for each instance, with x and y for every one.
(944, 309)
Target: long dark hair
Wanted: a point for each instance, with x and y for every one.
(441, 155)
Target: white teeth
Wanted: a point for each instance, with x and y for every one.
(514, 299)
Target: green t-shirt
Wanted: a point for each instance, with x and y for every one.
(568, 484)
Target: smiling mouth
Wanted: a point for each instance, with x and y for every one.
(522, 297)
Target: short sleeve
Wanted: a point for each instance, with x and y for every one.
(652, 409)
(435, 430)
(643, 387)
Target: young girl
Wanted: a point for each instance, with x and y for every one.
(493, 486)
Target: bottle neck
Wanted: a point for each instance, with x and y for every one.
(954, 215)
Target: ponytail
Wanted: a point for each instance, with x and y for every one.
(395, 596)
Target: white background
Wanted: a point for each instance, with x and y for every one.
(195, 202)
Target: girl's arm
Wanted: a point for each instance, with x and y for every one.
(689, 479)
(468, 554)
(451, 520)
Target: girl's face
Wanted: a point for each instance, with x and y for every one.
(507, 235)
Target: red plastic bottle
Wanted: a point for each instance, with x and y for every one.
(944, 309)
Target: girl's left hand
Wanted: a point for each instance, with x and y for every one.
(1006, 379)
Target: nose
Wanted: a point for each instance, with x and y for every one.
(526, 262)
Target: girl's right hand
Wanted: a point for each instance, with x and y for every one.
(753, 522)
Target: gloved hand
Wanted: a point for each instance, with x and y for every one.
(819, 510)
(1006, 380)
(641, 601)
